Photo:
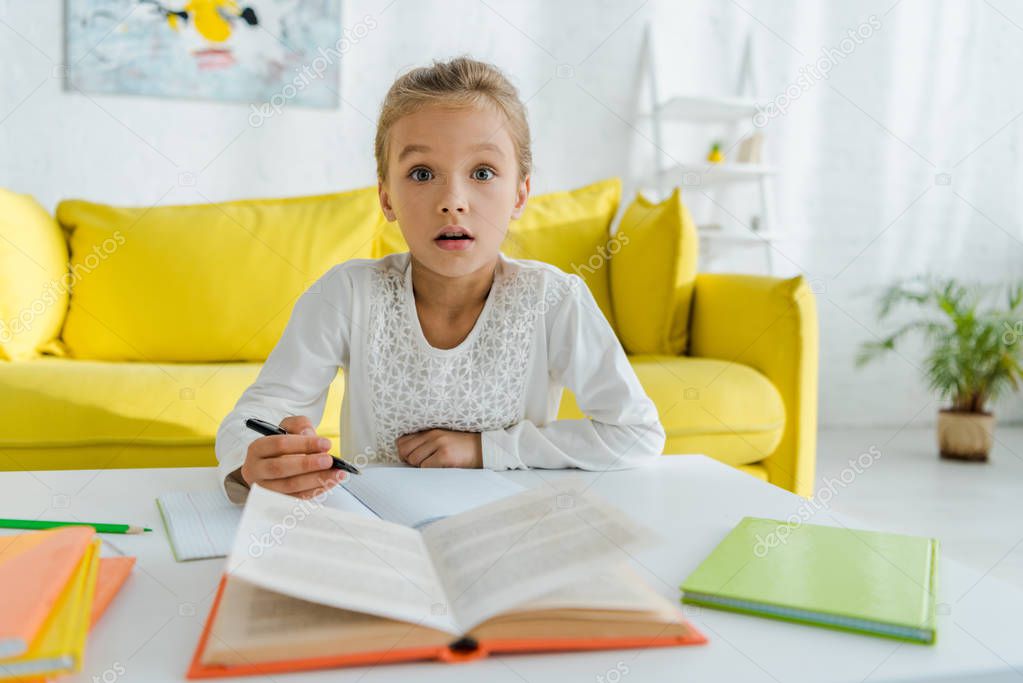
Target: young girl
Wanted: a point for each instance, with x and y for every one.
(453, 354)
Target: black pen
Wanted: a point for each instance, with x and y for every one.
(267, 429)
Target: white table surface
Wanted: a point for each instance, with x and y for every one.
(150, 630)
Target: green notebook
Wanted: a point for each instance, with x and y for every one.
(867, 581)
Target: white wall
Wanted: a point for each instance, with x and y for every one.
(860, 151)
(58, 144)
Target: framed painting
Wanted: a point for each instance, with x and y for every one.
(250, 51)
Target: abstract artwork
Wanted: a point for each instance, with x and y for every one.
(250, 51)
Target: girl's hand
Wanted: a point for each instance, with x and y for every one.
(441, 448)
(296, 463)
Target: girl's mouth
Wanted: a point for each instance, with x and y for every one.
(454, 238)
(454, 243)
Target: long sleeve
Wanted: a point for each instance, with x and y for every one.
(584, 355)
(296, 376)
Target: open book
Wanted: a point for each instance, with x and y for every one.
(308, 586)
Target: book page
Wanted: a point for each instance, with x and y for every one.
(415, 496)
(508, 553)
(613, 587)
(306, 550)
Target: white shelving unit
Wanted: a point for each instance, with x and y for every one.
(712, 174)
(734, 113)
(710, 109)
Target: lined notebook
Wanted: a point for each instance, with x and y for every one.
(202, 524)
(867, 581)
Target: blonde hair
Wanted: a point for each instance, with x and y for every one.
(460, 82)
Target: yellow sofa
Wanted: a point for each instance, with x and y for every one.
(131, 358)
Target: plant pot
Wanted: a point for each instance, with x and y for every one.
(965, 436)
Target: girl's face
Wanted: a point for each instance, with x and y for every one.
(452, 184)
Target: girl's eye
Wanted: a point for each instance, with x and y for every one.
(417, 174)
(422, 175)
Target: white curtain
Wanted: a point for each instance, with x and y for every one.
(905, 159)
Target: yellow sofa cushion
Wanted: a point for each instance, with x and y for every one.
(769, 324)
(653, 271)
(63, 413)
(33, 286)
(725, 410)
(207, 282)
(63, 402)
(566, 229)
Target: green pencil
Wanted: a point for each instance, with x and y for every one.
(43, 524)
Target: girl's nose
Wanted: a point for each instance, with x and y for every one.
(453, 206)
(452, 201)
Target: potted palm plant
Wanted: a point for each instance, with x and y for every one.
(973, 355)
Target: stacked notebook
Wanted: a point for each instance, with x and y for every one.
(53, 587)
(870, 582)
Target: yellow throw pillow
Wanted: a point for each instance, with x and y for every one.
(206, 282)
(569, 230)
(33, 291)
(653, 271)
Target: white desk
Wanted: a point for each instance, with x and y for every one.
(151, 629)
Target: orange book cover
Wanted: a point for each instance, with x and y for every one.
(445, 654)
(34, 570)
(113, 572)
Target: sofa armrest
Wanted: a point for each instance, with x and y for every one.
(769, 324)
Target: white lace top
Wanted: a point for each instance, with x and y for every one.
(539, 331)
